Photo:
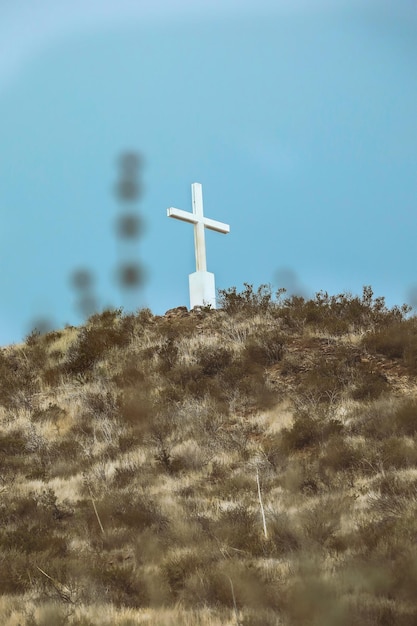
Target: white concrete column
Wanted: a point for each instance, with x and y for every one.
(202, 289)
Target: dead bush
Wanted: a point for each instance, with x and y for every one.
(181, 566)
(120, 584)
(282, 536)
(321, 522)
(308, 431)
(241, 529)
(380, 421)
(398, 453)
(14, 565)
(369, 385)
(339, 455)
(396, 341)
(265, 348)
(18, 381)
(103, 332)
(213, 360)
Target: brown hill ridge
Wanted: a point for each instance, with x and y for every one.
(253, 465)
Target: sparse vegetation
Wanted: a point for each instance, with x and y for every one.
(134, 449)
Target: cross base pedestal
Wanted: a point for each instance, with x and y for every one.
(202, 289)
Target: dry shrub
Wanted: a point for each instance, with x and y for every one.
(52, 412)
(380, 421)
(213, 360)
(398, 453)
(102, 332)
(136, 409)
(339, 455)
(125, 475)
(313, 601)
(321, 522)
(272, 450)
(13, 443)
(369, 385)
(132, 371)
(181, 521)
(235, 486)
(265, 347)
(121, 510)
(120, 584)
(241, 529)
(308, 431)
(50, 613)
(247, 301)
(234, 584)
(186, 379)
(406, 418)
(328, 379)
(246, 382)
(168, 354)
(283, 538)
(180, 566)
(396, 341)
(38, 537)
(18, 380)
(14, 565)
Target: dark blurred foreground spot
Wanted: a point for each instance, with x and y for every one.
(129, 226)
(130, 275)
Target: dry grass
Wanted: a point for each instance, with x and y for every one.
(133, 452)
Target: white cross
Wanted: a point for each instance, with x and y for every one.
(200, 223)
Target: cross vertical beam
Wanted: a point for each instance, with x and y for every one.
(199, 228)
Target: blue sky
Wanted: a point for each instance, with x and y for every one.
(299, 119)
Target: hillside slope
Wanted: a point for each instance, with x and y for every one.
(254, 465)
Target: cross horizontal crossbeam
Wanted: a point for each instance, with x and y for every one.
(200, 224)
(185, 216)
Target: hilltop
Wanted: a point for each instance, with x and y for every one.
(252, 465)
